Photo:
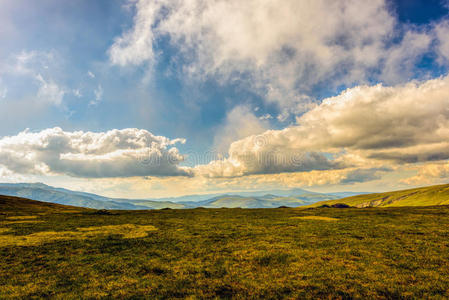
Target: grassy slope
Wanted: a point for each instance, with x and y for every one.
(207, 253)
(426, 196)
(16, 205)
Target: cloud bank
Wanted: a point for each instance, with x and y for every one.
(361, 127)
(363, 132)
(281, 51)
(115, 153)
(356, 136)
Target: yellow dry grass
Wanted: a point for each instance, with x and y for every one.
(3, 230)
(22, 222)
(318, 218)
(127, 231)
(22, 218)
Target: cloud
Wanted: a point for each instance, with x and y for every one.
(401, 118)
(32, 62)
(363, 175)
(347, 176)
(266, 117)
(240, 122)
(8, 176)
(49, 91)
(40, 66)
(98, 92)
(77, 93)
(400, 60)
(429, 173)
(3, 90)
(115, 153)
(255, 161)
(442, 32)
(280, 50)
(361, 127)
(136, 45)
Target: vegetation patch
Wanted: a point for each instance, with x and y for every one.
(272, 258)
(127, 231)
(15, 218)
(318, 218)
(23, 221)
(3, 230)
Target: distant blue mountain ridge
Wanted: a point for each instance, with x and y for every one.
(253, 199)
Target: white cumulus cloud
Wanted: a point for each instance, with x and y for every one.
(115, 153)
(430, 173)
(363, 126)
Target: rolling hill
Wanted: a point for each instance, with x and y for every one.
(267, 201)
(10, 204)
(45, 193)
(425, 196)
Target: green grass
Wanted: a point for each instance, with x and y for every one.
(426, 196)
(226, 253)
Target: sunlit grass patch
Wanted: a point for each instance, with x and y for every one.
(22, 221)
(3, 230)
(127, 231)
(318, 218)
(15, 218)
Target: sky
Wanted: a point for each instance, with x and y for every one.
(159, 98)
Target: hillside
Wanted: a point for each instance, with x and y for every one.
(45, 193)
(252, 202)
(17, 205)
(425, 196)
(234, 201)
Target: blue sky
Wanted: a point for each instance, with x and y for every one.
(181, 71)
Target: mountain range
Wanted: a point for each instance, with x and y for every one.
(254, 199)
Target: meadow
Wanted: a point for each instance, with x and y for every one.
(60, 252)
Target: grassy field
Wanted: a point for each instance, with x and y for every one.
(64, 252)
(425, 196)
